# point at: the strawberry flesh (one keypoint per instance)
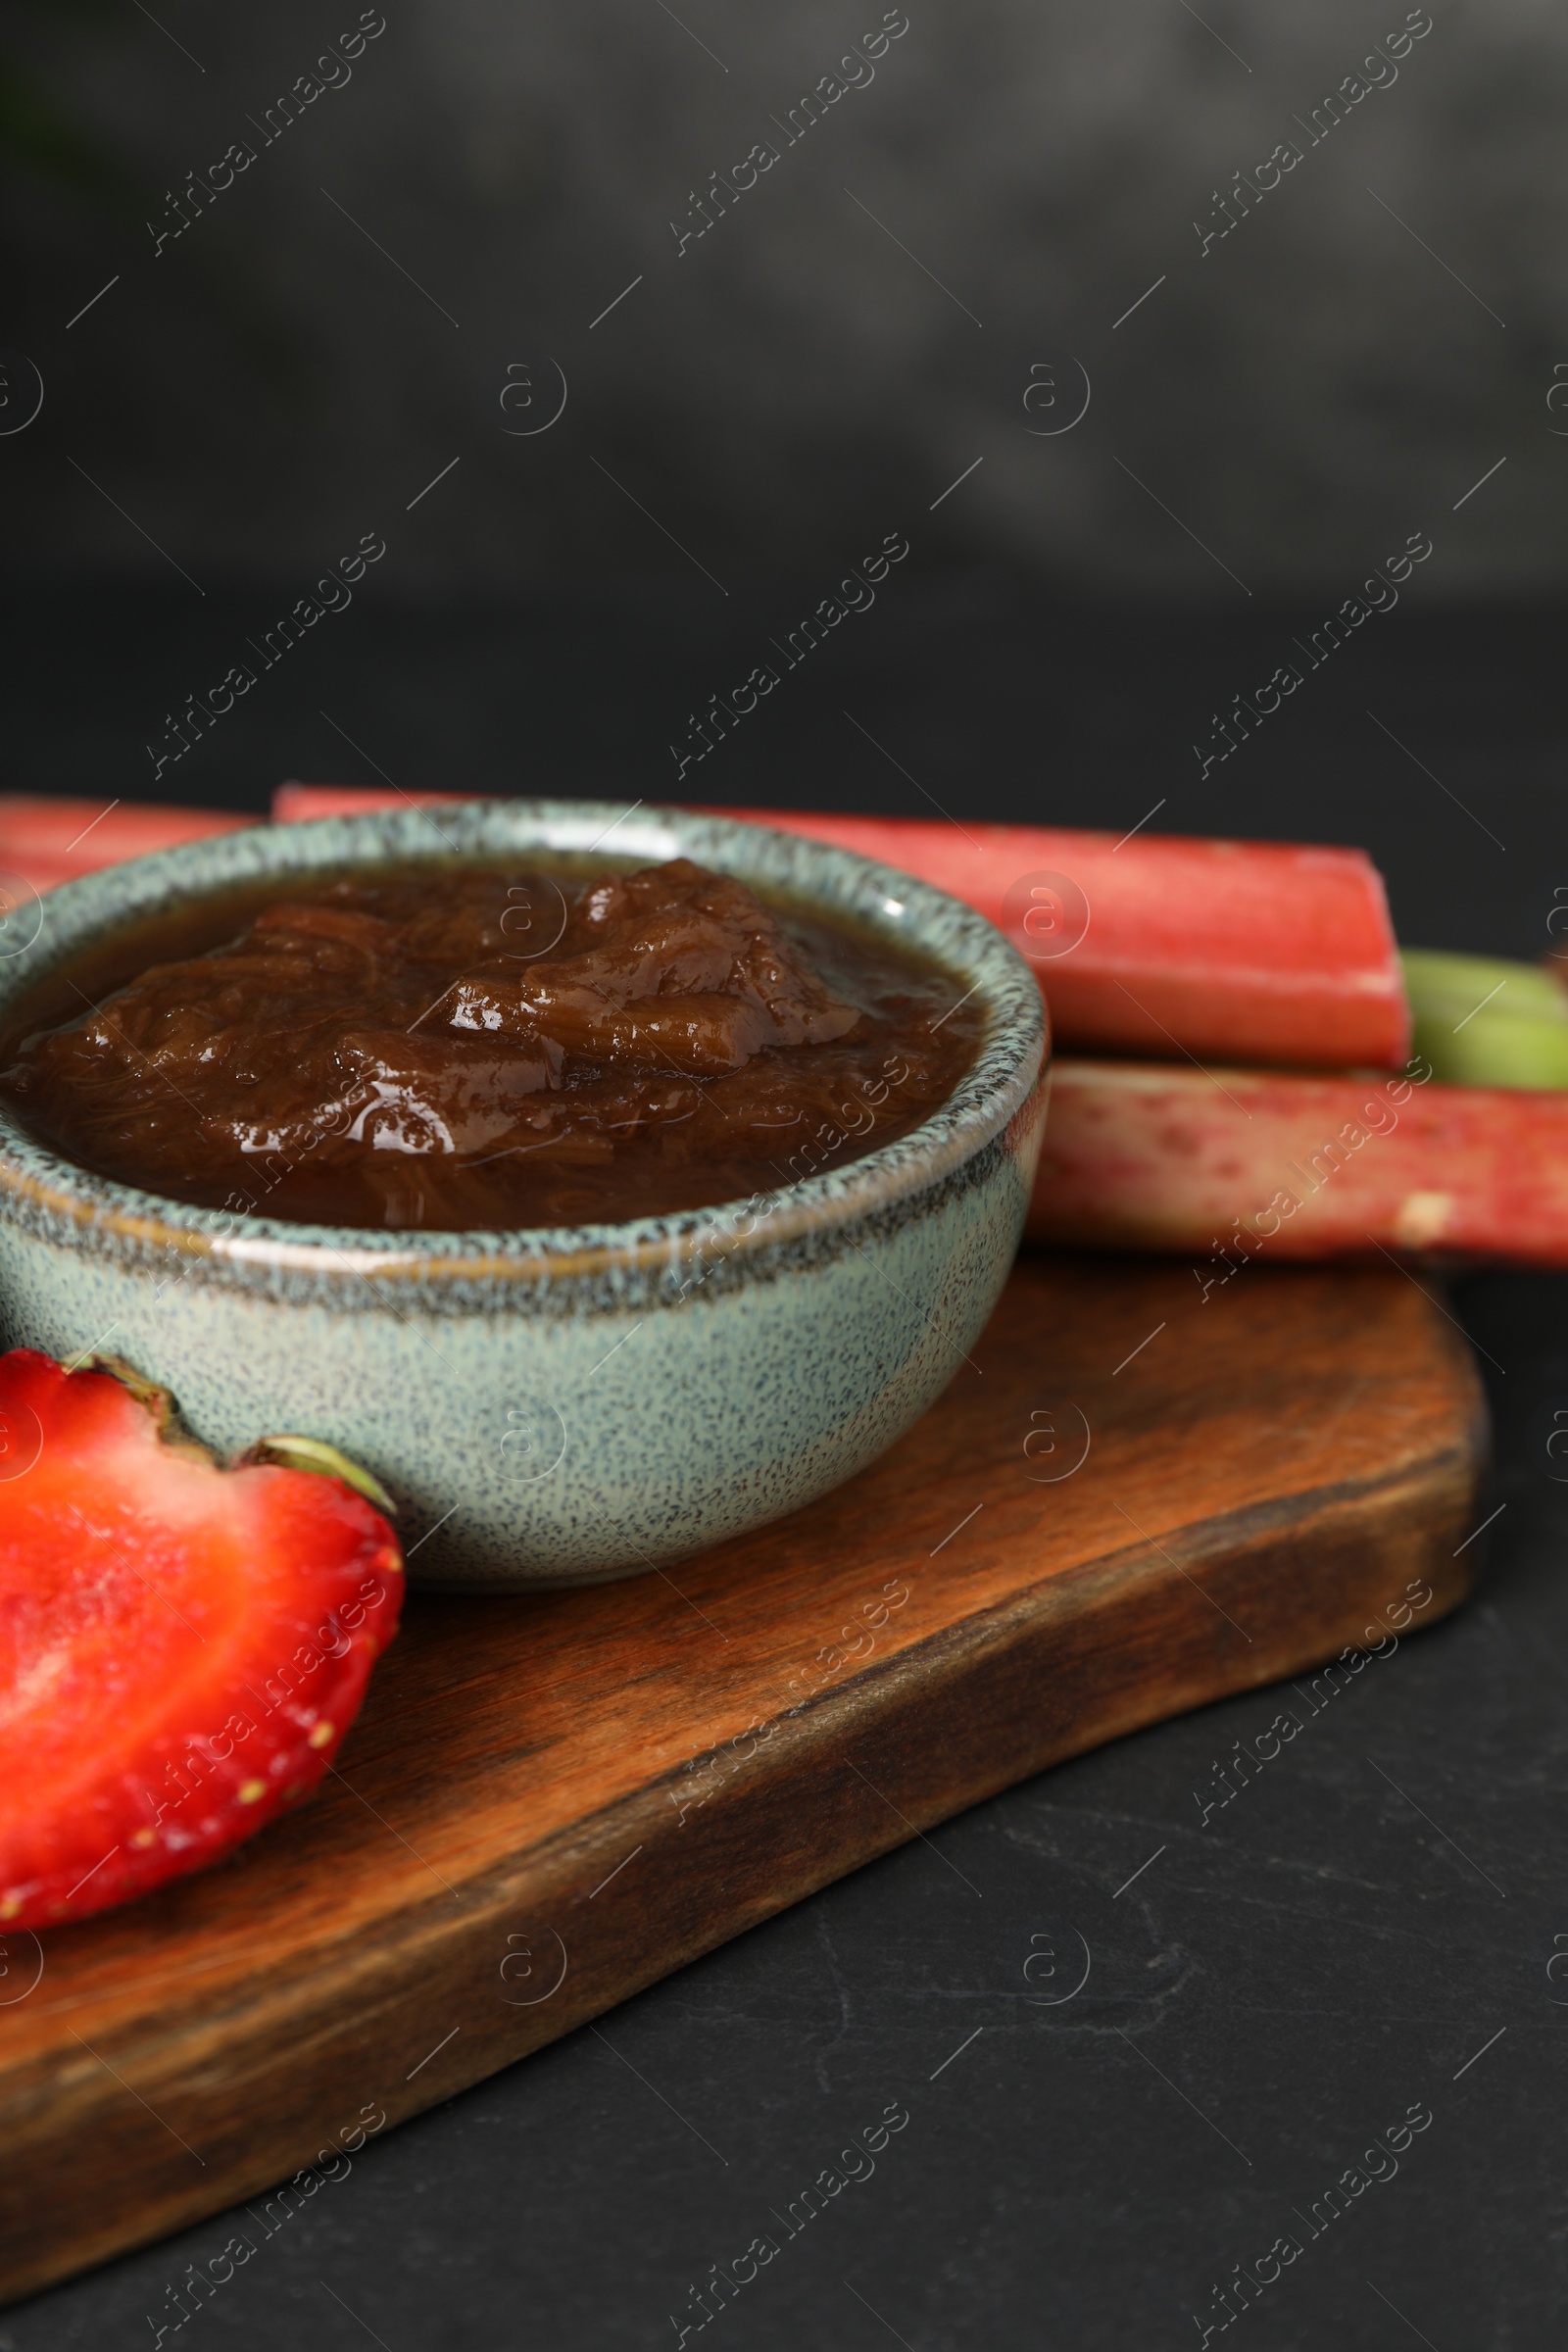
(181, 1648)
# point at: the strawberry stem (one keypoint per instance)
(313, 1453)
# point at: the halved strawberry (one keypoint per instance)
(181, 1648)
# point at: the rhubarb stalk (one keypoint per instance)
(45, 841)
(1229, 1165)
(1235, 950)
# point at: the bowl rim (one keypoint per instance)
(1008, 1067)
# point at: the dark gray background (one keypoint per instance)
(1341, 367)
(1315, 388)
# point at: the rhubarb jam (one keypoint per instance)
(465, 1047)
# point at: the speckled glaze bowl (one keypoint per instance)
(560, 1407)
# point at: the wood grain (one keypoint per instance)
(519, 1836)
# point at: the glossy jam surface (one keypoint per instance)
(469, 1049)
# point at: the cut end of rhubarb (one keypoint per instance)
(1483, 1021)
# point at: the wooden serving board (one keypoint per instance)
(519, 1838)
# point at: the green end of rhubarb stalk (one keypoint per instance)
(1480, 1021)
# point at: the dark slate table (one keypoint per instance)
(1355, 1974)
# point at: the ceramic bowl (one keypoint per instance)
(553, 1406)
